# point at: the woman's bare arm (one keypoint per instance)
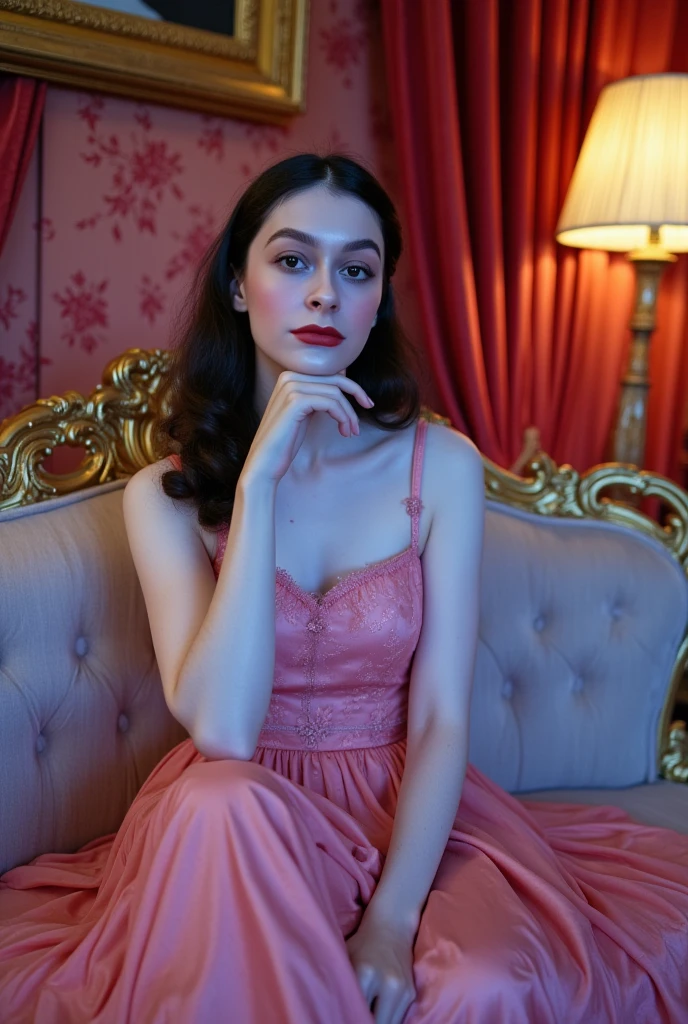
(215, 644)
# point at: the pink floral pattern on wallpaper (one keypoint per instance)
(142, 173)
(152, 300)
(45, 229)
(84, 309)
(216, 134)
(9, 305)
(18, 377)
(193, 242)
(344, 40)
(212, 137)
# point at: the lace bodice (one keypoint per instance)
(343, 658)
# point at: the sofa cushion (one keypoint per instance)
(662, 803)
(580, 624)
(83, 719)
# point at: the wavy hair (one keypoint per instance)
(208, 394)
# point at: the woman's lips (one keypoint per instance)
(316, 338)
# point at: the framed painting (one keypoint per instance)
(244, 58)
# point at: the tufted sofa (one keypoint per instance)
(583, 624)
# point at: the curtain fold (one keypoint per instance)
(490, 101)
(21, 107)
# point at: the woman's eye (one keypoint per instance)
(291, 266)
(359, 277)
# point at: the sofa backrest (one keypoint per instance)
(580, 625)
(579, 628)
(82, 715)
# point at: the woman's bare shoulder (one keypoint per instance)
(150, 512)
(445, 445)
(149, 478)
(449, 456)
(145, 490)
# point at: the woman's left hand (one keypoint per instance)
(382, 956)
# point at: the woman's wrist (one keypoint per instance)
(377, 915)
(251, 484)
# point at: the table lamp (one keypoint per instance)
(629, 193)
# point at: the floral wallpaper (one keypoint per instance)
(123, 198)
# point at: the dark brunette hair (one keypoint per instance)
(209, 417)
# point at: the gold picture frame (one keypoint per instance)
(258, 73)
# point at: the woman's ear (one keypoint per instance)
(236, 292)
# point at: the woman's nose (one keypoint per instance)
(323, 292)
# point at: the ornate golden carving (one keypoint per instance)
(553, 490)
(257, 73)
(675, 757)
(434, 417)
(116, 425)
(83, 15)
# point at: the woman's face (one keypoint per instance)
(333, 278)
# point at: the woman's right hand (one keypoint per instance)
(296, 396)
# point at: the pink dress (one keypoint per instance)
(230, 888)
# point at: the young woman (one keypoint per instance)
(319, 851)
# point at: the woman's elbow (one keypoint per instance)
(205, 736)
(216, 748)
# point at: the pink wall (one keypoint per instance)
(128, 195)
(19, 302)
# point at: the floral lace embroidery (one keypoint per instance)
(367, 606)
(370, 600)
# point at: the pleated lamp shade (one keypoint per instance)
(632, 172)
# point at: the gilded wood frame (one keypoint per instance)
(258, 73)
(116, 425)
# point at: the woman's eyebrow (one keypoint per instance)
(305, 239)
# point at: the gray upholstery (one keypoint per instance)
(82, 715)
(579, 626)
(660, 803)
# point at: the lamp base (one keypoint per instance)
(631, 420)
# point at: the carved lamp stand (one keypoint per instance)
(628, 194)
(631, 419)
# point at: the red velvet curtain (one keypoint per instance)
(490, 102)
(21, 107)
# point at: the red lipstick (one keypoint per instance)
(311, 334)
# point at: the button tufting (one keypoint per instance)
(123, 723)
(577, 684)
(315, 625)
(81, 646)
(616, 612)
(539, 623)
(507, 688)
(40, 743)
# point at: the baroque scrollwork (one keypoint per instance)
(675, 756)
(553, 490)
(114, 424)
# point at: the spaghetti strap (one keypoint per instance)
(414, 505)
